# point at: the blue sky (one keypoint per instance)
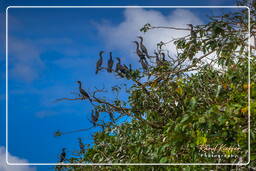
(50, 49)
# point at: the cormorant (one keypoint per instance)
(158, 61)
(144, 65)
(192, 32)
(110, 63)
(83, 92)
(142, 47)
(139, 52)
(81, 145)
(125, 67)
(63, 155)
(99, 62)
(118, 64)
(163, 56)
(111, 115)
(121, 68)
(130, 67)
(95, 117)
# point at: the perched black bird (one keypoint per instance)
(81, 145)
(95, 117)
(118, 64)
(139, 52)
(124, 70)
(192, 32)
(158, 61)
(99, 62)
(130, 68)
(63, 155)
(163, 56)
(111, 115)
(142, 47)
(121, 68)
(144, 65)
(83, 92)
(110, 63)
(125, 67)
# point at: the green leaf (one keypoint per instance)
(218, 91)
(193, 102)
(201, 120)
(184, 119)
(163, 160)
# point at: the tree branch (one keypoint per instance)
(126, 111)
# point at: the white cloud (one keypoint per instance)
(120, 37)
(12, 159)
(24, 60)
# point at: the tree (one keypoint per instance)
(178, 104)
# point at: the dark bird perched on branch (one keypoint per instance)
(95, 117)
(158, 61)
(142, 47)
(130, 68)
(81, 145)
(111, 115)
(139, 53)
(110, 63)
(118, 64)
(83, 92)
(144, 65)
(192, 32)
(126, 68)
(99, 62)
(63, 155)
(163, 56)
(121, 68)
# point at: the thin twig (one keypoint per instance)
(79, 130)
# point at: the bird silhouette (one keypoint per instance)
(139, 52)
(99, 62)
(111, 115)
(83, 92)
(123, 70)
(192, 32)
(158, 61)
(81, 145)
(163, 56)
(144, 65)
(95, 117)
(126, 68)
(130, 68)
(142, 47)
(63, 155)
(118, 64)
(110, 63)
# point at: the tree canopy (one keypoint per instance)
(179, 103)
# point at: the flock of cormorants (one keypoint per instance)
(122, 69)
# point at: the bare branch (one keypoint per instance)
(127, 112)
